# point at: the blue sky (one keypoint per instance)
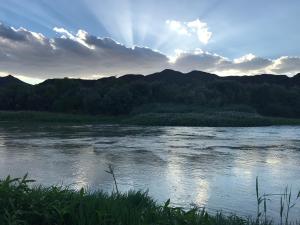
(231, 29)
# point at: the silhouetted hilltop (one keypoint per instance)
(172, 76)
(131, 77)
(296, 79)
(10, 80)
(266, 94)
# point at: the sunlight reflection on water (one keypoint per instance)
(212, 167)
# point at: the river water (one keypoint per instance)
(211, 167)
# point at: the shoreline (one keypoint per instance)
(205, 119)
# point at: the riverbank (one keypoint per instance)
(22, 203)
(207, 118)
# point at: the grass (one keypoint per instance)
(25, 204)
(187, 108)
(195, 115)
(216, 119)
(210, 118)
(21, 204)
(49, 117)
(286, 205)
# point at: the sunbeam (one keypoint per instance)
(115, 16)
(110, 30)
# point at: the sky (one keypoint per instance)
(90, 39)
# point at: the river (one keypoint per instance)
(211, 167)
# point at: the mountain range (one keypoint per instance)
(266, 94)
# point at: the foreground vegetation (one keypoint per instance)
(207, 118)
(21, 203)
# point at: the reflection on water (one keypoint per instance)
(212, 167)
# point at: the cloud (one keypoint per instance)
(35, 57)
(10, 33)
(250, 64)
(201, 29)
(26, 53)
(189, 28)
(246, 58)
(245, 65)
(178, 27)
(80, 37)
(286, 65)
(197, 60)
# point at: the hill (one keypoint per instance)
(167, 91)
(10, 81)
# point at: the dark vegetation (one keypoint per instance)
(165, 92)
(22, 203)
(206, 118)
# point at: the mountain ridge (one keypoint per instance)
(267, 95)
(164, 74)
(11, 80)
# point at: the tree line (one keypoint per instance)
(268, 95)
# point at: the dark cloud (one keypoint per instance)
(210, 62)
(254, 64)
(288, 65)
(31, 54)
(81, 55)
(198, 60)
(11, 34)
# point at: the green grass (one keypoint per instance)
(21, 203)
(208, 117)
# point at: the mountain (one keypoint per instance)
(10, 81)
(172, 76)
(266, 94)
